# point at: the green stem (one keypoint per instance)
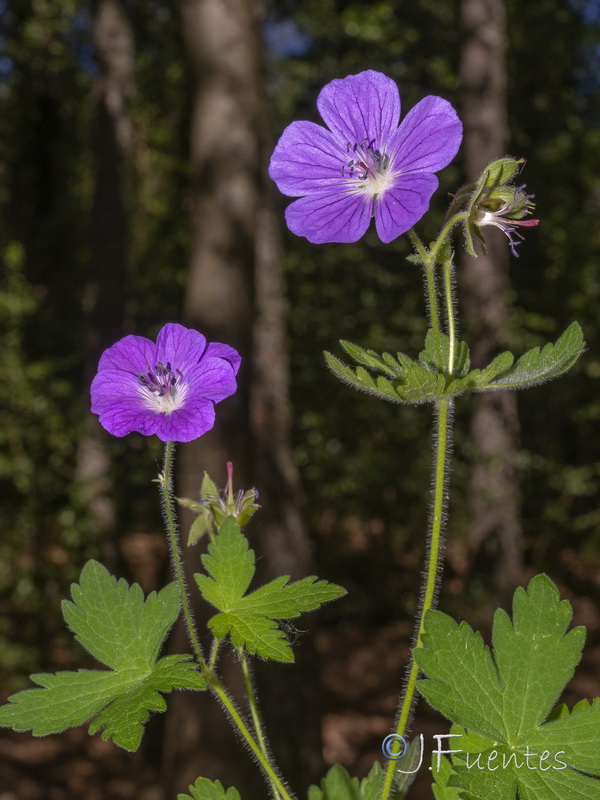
(211, 678)
(429, 264)
(444, 233)
(258, 728)
(213, 655)
(443, 439)
(170, 521)
(450, 315)
(216, 686)
(433, 311)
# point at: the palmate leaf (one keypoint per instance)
(338, 785)
(417, 385)
(501, 698)
(204, 789)
(251, 620)
(113, 621)
(542, 363)
(400, 379)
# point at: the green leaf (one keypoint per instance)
(369, 358)
(512, 744)
(204, 789)
(336, 785)
(429, 357)
(370, 787)
(250, 620)
(542, 363)
(407, 381)
(125, 632)
(208, 488)
(444, 778)
(199, 528)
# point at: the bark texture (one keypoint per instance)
(495, 528)
(235, 294)
(112, 134)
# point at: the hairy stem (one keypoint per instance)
(258, 728)
(207, 671)
(450, 314)
(443, 440)
(218, 689)
(171, 525)
(429, 265)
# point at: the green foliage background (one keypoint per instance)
(364, 463)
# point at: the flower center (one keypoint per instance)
(163, 388)
(368, 168)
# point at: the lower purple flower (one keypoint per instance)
(169, 388)
(367, 164)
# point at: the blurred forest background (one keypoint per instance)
(134, 142)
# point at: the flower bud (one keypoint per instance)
(214, 506)
(495, 200)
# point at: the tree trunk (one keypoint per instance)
(495, 528)
(104, 298)
(235, 295)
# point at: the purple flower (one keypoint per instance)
(506, 210)
(169, 388)
(366, 164)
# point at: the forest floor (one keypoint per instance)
(360, 669)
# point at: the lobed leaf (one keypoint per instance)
(205, 789)
(542, 363)
(369, 358)
(512, 744)
(125, 631)
(429, 356)
(336, 785)
(407, 381)
(251, 620)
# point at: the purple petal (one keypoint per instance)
(217, 350)
(212, 379)
(359, 107)
(187, 423)
(112, 385)
(180, 346)
(332, 217)
(428, 138)
(133, 354)
(124, 416)
(308, 158)
(400, 207)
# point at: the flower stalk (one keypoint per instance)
(443, 446)
(166, 484)
(258, 748)
(440, 251)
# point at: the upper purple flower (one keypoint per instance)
(366, 164)
(169, 388)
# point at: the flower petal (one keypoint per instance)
(124, 416)
(132, 354)
(182, 347)
(308, 158)
(218, 350)
(212, 379)
(400, 207)
(359, 107)
(428, 138)
(112, 385)
(186, 424)
(330, 217)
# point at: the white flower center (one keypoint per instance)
(162, 388)
(369, 169)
